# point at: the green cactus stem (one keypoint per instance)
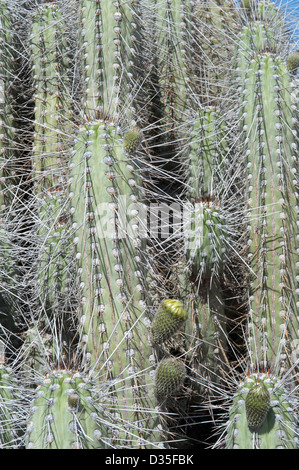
(105, 204)
(66, 414)
(12, 404)
(173, 40)
(50, 148)
(8, 178)
(210, 229)
(215, 25)
(109, 37)
(268, 122)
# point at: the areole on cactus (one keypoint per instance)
(149, 225)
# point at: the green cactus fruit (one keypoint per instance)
(257, 405)
(293, 62)
(66, 414)
(169, 377)
(132, 139)
(170, 316)
(262, 415)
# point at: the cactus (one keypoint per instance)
(167, 320)
(262, 415)
(117, 333)
(65, 414)
(169, 377)
(293, 62)
(270, 150)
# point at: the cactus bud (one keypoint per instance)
(170, 375)
(257, 405)
(132, 139)
(293, 62)
(73, 401)
(248, 4)
(169, 318)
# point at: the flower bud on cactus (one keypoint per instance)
(262, 415)
(169, 318)
(132, 139)
(248, 4)
(170, 375)
(257, 405)
(293, 62)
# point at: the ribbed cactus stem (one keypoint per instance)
(268, 122)
(262, 415)
(109, 36)
(208, 236)
(66, 413)
(106, 206)
(216, 24)
(207, 241)
(173, 40)
(50, 147)
(8, 179)
(10, 408)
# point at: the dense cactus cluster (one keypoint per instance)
(149, 225)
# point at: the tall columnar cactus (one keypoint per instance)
(215, 26)
(105, 200)
(121, 335)
(7, 172)
(49, 56)
(12, 418)
(268, 131)
(268, 123)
